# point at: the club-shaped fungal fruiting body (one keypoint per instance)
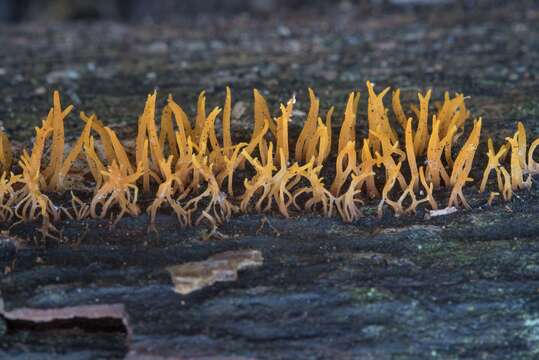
(197, 170)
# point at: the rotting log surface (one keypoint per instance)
(464, 285)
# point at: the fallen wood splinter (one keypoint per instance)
(441, 212)
(221, 267)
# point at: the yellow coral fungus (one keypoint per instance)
(347, 203)
(522, 144)
(219, 208)
(148, 144)
(262, 121)
(6, 154)
(519, 159)
(281, 150)
(392, 176)
(58, 182)
(32, 203)
(274, 187)
(280, 186)
(320, 196)
(119, 151)
(517, 170)
(7, 195)
(410, 154)
(386, 159)
(533, 166)
(118, 189)
(435, 168)
(319, 144)
(367, 168)
(104, 137)
(167, 137)
(397, 108)
(462, 167)
(452, 113)
(95, 164)
(200, 119)
(308, 130)
(507, 191)
(166, 192)
(493, 164)
(55, 121)
(428, 187)
(421, 136)
(227, 137)
(260, 182)
(316, 140)
(202, 148)
(348, 127)
(346, 164)
(378, 119)
(197, 171)
(453, 122)
(231, 163)
(79, 209)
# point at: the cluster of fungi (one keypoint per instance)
(189, 167)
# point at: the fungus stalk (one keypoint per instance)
(118, 189)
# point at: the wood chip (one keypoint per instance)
(194, 276)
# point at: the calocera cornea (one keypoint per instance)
(199, 171)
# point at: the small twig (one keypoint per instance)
(441, 212)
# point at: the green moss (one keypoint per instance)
(527, 109)
(368, 295)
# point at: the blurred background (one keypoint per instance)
(105, 55)
(170, 10)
